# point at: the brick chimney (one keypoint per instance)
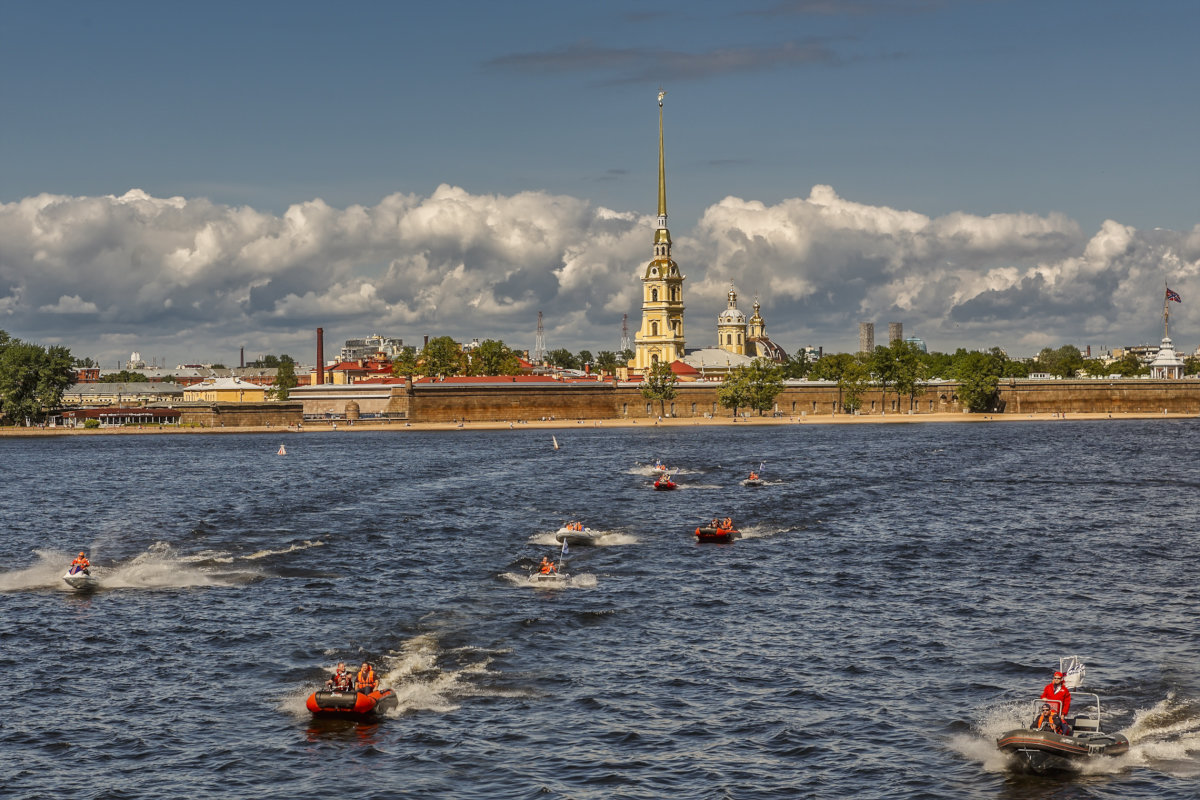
(320, 355)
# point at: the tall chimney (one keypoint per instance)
(242, 357)
(320, 355)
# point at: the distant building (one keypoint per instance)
(121, 394)
(866, 337)
(368, 346)
(225, 390)
(895, 332)
(1166, 364)
(918, 343)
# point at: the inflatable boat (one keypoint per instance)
(663, 483)
(707, 533)
(1044, 749)
(351, 704)
(574, 533)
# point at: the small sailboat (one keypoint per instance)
(282, 450)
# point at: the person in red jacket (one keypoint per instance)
(81, 564)
(1057, 689)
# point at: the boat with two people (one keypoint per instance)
(1054, 742)
(577, 533)
(755, 478)
(663, 483)
(358, 699)
(79, 575)
(718, 530)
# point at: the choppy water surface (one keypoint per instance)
(896, 587)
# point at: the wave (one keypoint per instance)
(159, 567)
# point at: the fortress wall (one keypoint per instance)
(231, 415)
(1133, 395)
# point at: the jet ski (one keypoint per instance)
(351, 704)
(1053, 747)
(81, 580)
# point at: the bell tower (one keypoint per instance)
(660, 339)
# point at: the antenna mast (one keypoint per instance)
(624, 332)
(539, 342)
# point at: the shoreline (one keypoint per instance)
(343, 426)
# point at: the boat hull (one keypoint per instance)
(351, 705)
(710, 534)
(583, 537)
(663, 486)
(1046, 751)
(81, 581)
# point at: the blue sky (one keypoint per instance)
(989, 173)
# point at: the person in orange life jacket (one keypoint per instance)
(365, 681)
(81, 564)
(340, 682)
(546, 567)
(1048, 719)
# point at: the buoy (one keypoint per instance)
(282, 450)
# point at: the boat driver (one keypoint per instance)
(1057, 689)
(1048, 719)
(340, 682)
(365, 681)
(80, 564)
(546, 567)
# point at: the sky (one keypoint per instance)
(186, 180)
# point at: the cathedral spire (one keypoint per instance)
(662, 235)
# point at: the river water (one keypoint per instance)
(898, 590)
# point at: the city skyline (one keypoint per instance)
(188, 181)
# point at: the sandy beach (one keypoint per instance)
(342, 426)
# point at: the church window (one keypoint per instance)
(729, 338)
(739, 338)
(654, 295)
(654, 329)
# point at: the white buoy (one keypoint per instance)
(282, 450)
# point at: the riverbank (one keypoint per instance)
(342, 426)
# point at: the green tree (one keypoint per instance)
(626, 355)
(882, 364)
(84, 362)
(659, 384)
(32, 378)
(404, 365)
(124, 376)
(831, 367)
(285, 379)
(583, 358)
(798, 366)
(766, 382)
(492, 357)
(734, 391)
(442, 357)
(978, 376)
(562, 358)
(911, 372)
(1063, 362)
(606, 361)
(853, 384)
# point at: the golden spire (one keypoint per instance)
(662, 235)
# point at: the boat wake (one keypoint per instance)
(585, 581)
(604, 539)
(1164, 737)
(425, 678)
(228, 558)
(157, 568)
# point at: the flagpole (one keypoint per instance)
(1166, 310)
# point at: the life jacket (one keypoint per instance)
(366, 677)
(340, 680)
(727, 524)
(81, 562)
(547, 568)
(1048, 719)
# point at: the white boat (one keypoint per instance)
(1073, 671)
(81, 581)
(577, 534)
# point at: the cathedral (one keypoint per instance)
(660, 339)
